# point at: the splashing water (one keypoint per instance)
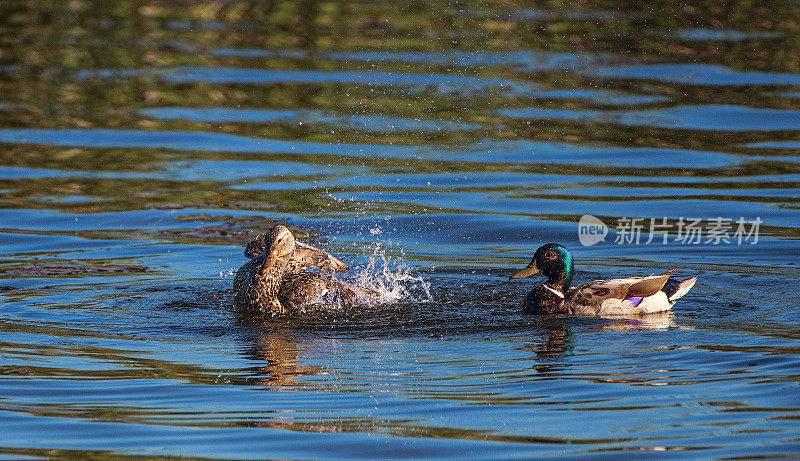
(385, 279)
(392, 279)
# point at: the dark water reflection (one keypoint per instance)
(144, 142)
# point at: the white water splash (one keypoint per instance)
(392, 279)
(385, 279)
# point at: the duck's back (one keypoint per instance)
(304, 289)
(632, 295)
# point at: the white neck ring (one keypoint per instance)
(557, 293)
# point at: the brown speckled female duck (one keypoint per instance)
(276, 280)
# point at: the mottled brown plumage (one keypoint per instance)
(304, 255)
(312, 288)
(276, 280)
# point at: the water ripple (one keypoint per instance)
(694, 74)
(433, 148)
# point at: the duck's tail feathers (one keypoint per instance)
(676, 289)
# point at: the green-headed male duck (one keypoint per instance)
(633, 295)
(276, 281)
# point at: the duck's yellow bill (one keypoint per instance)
(269, 262)
(531, 269)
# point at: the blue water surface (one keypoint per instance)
(433, 147)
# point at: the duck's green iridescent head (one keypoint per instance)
(554, 261)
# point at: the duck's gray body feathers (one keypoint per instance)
(632, 295)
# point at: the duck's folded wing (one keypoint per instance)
(590, 296)
(310, 256)
(304, 289)
(650, 285)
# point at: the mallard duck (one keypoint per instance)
(276, 279)
(632, 295)
(304, 255)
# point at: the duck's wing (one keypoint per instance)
(306, 289)
(256, 247)
(304, 256)
(650, 285)
(614, 295)
(302, 289)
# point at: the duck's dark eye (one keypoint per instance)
(549, 254)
